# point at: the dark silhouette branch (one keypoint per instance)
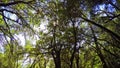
(114, 5)
(108, 51)
(109, 42)
(102, 27)
(14, 3)
(9, 18)
(112, 18)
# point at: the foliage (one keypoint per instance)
(59, 33)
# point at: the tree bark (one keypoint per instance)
(75, 44)
(57, 60)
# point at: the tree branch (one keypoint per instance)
(114, 5)
(102, 27)
(15, 2)
(112, 18)
(101, 56)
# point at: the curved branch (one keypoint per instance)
(102, 27)
(14, 3)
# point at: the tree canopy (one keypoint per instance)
(59, 33)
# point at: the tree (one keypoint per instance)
(77, 34)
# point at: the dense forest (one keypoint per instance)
(59, 33)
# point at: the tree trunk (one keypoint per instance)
(75, 44)
(98, 49)
(77, 61)
(57, 60)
